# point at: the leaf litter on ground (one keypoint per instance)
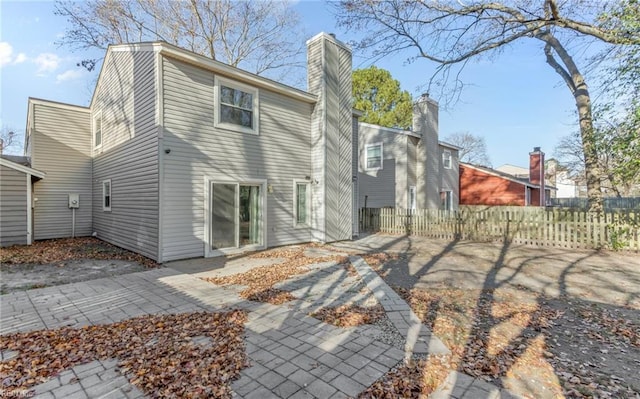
(504, 335)
(260, 280)
(157, 353)
(59, 251)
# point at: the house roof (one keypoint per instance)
(406, 133)
(172, 51)
(449, 145)
(506, 176)
(5, 160)
(513, 170)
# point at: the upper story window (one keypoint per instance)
(97, 130)
(374, 156)
(446, 159)
(237, 106)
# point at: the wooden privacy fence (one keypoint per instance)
(619, 230)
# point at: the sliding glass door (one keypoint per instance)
(236, 215)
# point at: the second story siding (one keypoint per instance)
(125, 104)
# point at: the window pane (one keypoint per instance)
(301, 204)
(246, 100)
(226, 95)
(250, 232)
(223, 216)
(98, 132)
(374, 157)
(229, 114)
(235, 97)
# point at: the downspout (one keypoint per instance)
(29, 211)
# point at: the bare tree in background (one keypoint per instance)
(473, 148)
(9, 141)
(263, 36)
(451, 33)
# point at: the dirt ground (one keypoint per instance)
(544, 322)
(27, 276)
(62, 261)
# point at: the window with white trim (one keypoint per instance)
(236, 105)
(302, 203)
(97, 130)
(412, 197)
(106, 195)
(373, 156)
(446, 159)
(446, 198)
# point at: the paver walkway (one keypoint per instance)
(292, 355)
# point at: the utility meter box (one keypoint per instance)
(74, 200)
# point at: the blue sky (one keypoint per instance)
(516, 102)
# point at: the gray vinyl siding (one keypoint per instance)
(129, 154)
(316, 84)
(450, 178)
(60, 144)
(279, 154)
(386, 187)
(13, 207)
(338, 135)
(329, 77)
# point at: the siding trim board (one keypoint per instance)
(159, 121)
(22, 168)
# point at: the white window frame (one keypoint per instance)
(366, 155)
(208, 181)
(449, 203)
(106, 208)
(412, 197)
(295, 203)
(447, 159)
(97, 116)
(218, 83)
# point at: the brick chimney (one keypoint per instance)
(536, 173)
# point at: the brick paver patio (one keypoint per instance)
(292, 355)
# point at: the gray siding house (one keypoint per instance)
(16, 198)
(408, 169)
(180, 156)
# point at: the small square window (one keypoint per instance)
(302, 202)
(237, 106)
(106, 195)
(374, 156)
(97, 130)
(446, 159)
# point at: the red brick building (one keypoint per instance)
(480, 185)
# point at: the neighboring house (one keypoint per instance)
(566, 186)
(181, 156)
(480, 185)
(408, 169)
(16, 191)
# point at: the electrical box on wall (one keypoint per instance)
(74, 200)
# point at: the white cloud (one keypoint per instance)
(47, 62)
(20, 58)
(71, 74)
(6, 53)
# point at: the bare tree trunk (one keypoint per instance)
(592, 170)
(572, 76)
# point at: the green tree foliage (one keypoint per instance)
(379, 96)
